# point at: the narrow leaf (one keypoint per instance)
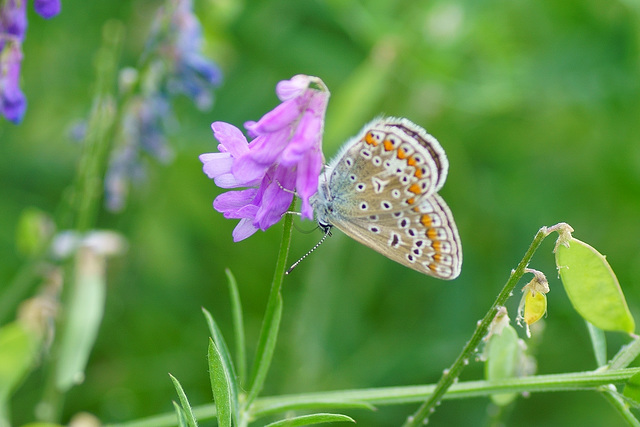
(221, 347)
(182, 419)
(186, 407)
(307, 420)
(238, 328)
(220, 385)
(503, 354)
(592, 287)
(599, 342)
(264, 352)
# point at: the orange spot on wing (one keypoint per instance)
(432, 233)
(418, 173)
(426, 221)
(415, 189)
(388, 145)
(411, 200)
(433, 267)
(411, 161)
(437, 246)
(369, 139)
(401, 153)
(437, 257)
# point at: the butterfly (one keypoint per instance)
(382, 190)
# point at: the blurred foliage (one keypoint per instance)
(536, 103)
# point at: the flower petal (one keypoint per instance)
(216, 164)
(292, 88)
(281, 116)
(231, 138)
(244, 229)
(234, 200)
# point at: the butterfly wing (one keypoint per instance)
(424, 238)
(388, 167)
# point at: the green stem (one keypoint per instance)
(387, 396)
(271, 322)
(450, 375)
(612, 396)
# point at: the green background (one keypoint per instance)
(537, 104)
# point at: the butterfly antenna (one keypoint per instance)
(327, 232)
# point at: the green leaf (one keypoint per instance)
(220, 384)
(238, 328)
(223, 350)
(599, 342)
(307, 420)
(18, 355)
(503, 356)
(182, 418)
(592, 287)
(85, 307)
(187, 412)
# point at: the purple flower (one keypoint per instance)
(13, 103)
(13, 19)
(284, 157)
(47, 8)
(193, 74)
(13, 27)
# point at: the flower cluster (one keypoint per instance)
(284, 157)
(172, 64)
(13, 28)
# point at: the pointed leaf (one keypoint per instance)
(186, 407)
(592, 287)
(238, 328)
(220, 385)
(221, 347)
(307, 420)
(182, 419)
(503, 354)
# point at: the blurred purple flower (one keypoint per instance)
(13, 103)
(13, 20)
(192, 74)
(47, 8)
(284, 157)
(13, 28)
(173, 64)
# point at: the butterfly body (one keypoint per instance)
(381, 190)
